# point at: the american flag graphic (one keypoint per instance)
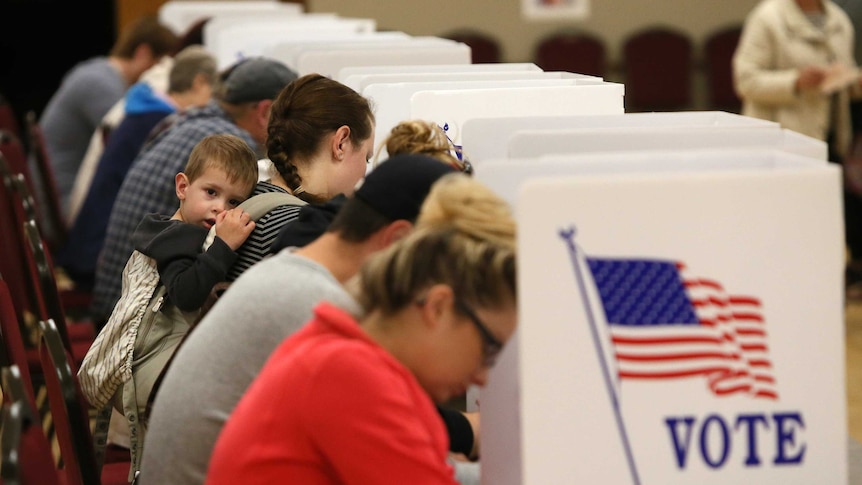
(666, 325)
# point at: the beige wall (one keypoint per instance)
(611, 20)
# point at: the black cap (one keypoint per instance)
(255, 79)
(312, 221)
(397, 187)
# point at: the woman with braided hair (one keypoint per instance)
(319, 140)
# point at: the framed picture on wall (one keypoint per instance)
(555, 9)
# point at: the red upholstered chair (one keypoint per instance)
(13, 162)
(45, 185)
(718, 55)
(577, 52)
(31, 266)
(27, 456)
(657, 65)
(70, 412)
(483, 47)
(77, 336)
(14, 351)
(12, 265)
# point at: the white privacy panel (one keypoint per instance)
(346, 73)
(179, 15)
(487, 137)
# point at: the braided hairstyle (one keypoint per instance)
(304, 113)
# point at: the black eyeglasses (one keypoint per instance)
(491, 346)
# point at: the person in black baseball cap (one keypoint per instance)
(393, 191)
(285, 292)
(275, 297)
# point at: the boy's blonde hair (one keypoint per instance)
(229, 153)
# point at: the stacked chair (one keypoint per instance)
(26, 452)
(657, 64)
(45, 185)
(578, 52)
(42, 347)
(484, 48)
(82, 452)
(718, 57)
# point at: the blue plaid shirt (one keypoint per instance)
(149, 189)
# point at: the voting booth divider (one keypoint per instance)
(356, 76)
(361, 82)
(329, 62)
(453, 108)
(536, 143)
(477, 131)
(450, 103)
(180, 15)
(681, 320)
(231, 39)
(287, 49)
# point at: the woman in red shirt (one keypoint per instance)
(351, 401)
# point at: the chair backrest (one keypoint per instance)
(33, 462)
(483, 47)
(657, 65)
(76, 338)
(577, 52)
(50, 295)
(35, 255)
(13, 265)
(69, 409)
(718, 54)
(52, 215)
(10, 441)
(13, 342)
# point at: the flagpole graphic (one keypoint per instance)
(569, 237)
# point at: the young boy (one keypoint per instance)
(220, 174)
(166, 280)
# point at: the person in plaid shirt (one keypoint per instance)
(241, 108)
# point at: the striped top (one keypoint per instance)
(256, 247)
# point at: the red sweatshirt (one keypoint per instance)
(331, 406)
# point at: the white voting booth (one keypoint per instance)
(179, 15)
(330, 61)
(393, 100)
(361, 82)
(355, 76)
(535, 143)
(681, 320)
(453, 108)
(487, 137)
(230, 39)
(286, 49)
(451, 103)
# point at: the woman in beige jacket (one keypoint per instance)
(794, 64)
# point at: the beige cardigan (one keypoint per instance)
(777, 40)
